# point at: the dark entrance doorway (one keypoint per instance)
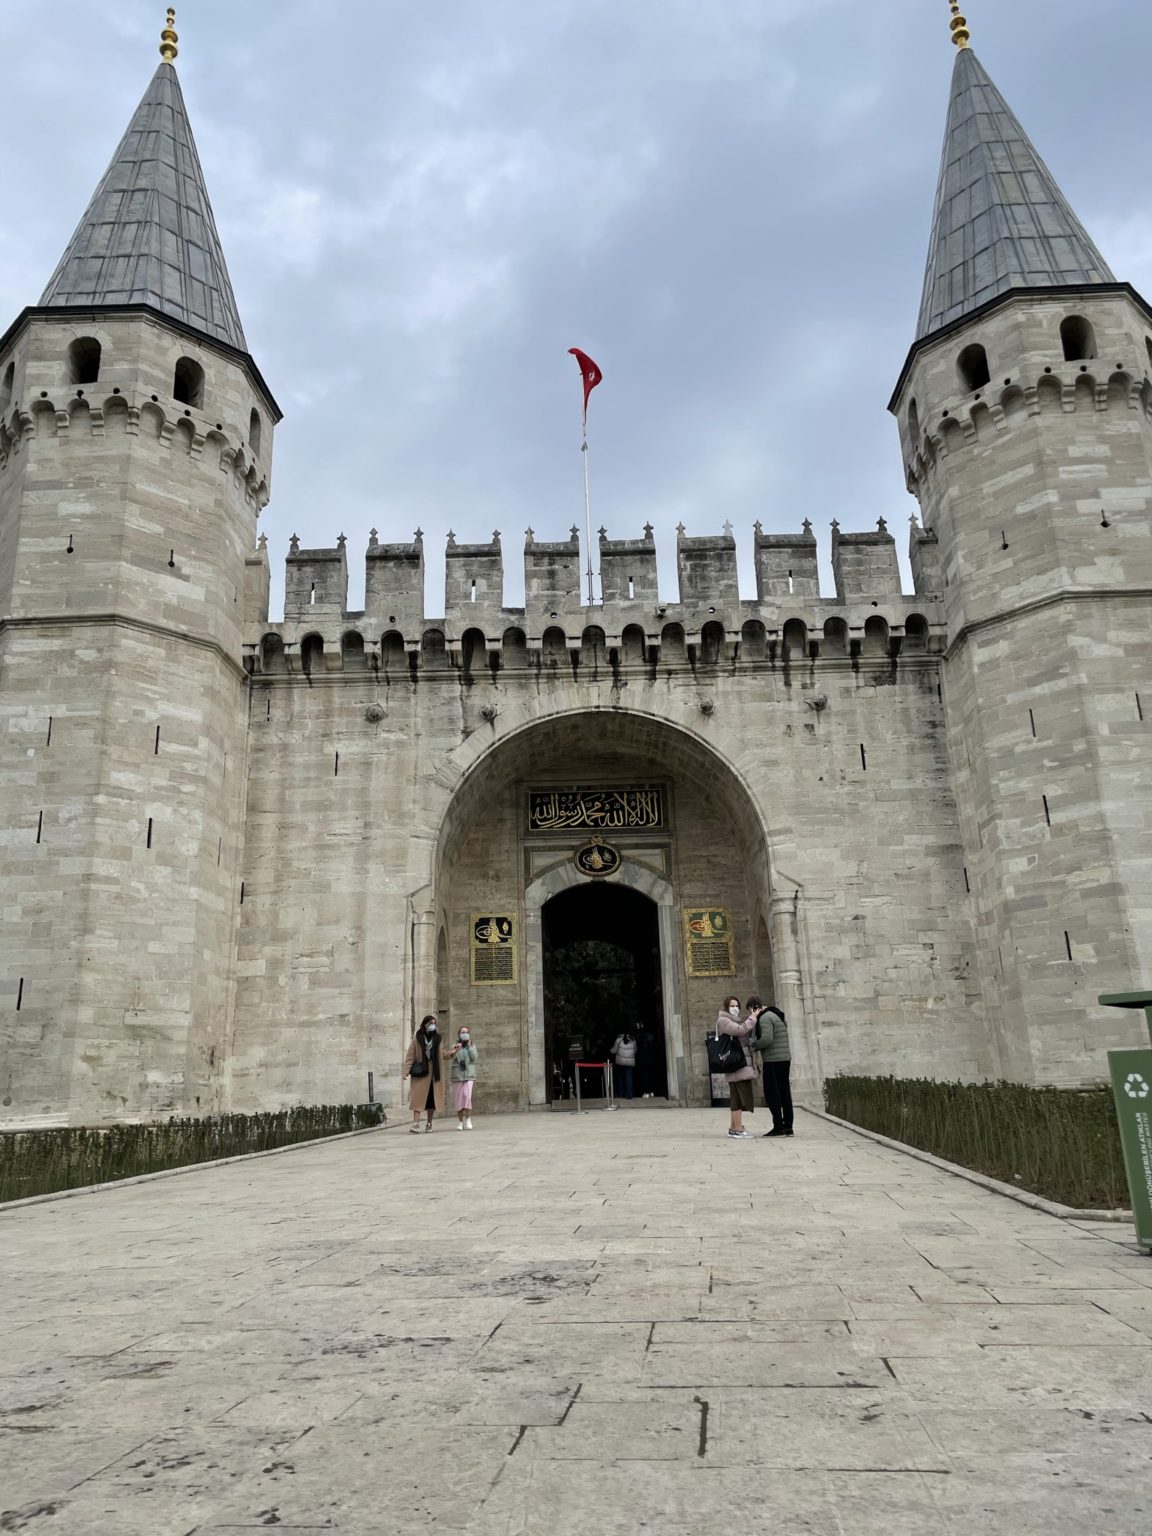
(602, 976)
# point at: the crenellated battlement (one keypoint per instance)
(100, 416)
(788, 622)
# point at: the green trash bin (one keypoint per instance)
(1131, 1073)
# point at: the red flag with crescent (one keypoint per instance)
(589, 372)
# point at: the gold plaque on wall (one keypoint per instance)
(493, 949)
(597, 858)
(709, 947)
(596, 810)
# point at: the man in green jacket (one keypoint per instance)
(771, 1040)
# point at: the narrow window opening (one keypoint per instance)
(241, 893)
(1148, 346)
(967, 884)
(40, 826)
(156, 744)
(255, 432)
(6, 388)
(973, 367)
(791, 584)
(914, 424)
(312, 593)
(336, 769)
(1000, 958)
(48, 740)
(863, 758)
(148, 844)
(1047, 812)
(171, 559)
(472, 594)
(20, 994)
(1139, 715)
(188, 383)
(268, 710)
(71, 547)
(219, 850)
(631, 587)
(1032, 721)
(84, 360)
(1067, 944)
(1077, 339)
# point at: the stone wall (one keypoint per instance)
(122, 721)
(1038, 487)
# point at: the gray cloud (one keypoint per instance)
(423, 208)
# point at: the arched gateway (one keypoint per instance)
(599, 869)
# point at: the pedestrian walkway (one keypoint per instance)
(576, 1327)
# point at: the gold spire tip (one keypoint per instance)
(169, 40)
(959, 26)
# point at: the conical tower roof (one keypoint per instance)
(1001, 221)
(148, 236)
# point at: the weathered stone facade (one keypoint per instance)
(241, 858)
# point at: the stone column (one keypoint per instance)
(791, 998)
(423, 968)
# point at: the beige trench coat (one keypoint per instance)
(420, 1085)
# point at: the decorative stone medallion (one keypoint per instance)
(597, 858)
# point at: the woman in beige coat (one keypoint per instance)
(428, 1086)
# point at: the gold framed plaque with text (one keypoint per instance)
(709, 945)
(493, 949)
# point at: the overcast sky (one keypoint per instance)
(726, 202)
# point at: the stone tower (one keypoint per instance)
(1025, 415)
(135, 444)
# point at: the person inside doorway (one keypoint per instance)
(463, 1074)
(624, 1055)
(770, 1039)
(422, 1067)
(739, 1082)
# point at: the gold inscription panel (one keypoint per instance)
(709, 947)
(493, 949)
(596, 810)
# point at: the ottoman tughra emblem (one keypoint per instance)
(596, 858)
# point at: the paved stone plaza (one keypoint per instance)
(606, 1324)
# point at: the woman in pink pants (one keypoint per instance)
(464, 1059)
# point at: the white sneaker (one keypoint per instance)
(459, 1125)
(741, 1136)
(468, 1123)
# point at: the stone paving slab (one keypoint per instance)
(596, 1325)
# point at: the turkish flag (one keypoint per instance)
(589, 372)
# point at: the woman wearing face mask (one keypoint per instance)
(739, 1082)
(422, 1065)
(463, 1072)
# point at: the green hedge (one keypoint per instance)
(1059, 1143)
(41, 1162)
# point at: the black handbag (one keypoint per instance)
(419, 1067)
(725, 1054)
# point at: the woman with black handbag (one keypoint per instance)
(422, 1065)
(735, 1060)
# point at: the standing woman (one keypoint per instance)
(623, 1053)
(739, 1082)
(422, 1065)
(463, 1074)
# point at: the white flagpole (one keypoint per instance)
(587, 505)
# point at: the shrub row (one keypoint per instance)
(1060, 1143)
(41, 1162)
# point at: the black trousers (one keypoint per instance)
(778, 1093)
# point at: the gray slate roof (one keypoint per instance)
(1001, 221)
(148, 236)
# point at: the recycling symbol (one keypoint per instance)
(1136, 1087)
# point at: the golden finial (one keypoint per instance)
(959, 24)
(169, 40)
